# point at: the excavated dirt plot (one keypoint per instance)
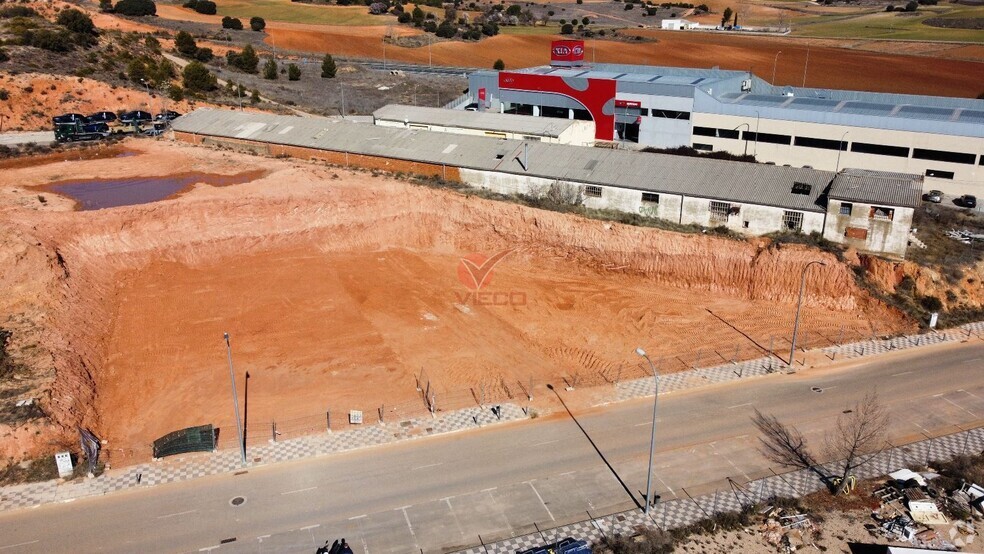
(339, 288)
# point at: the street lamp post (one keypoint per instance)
(799, 304)
(758, 118)
(747, 129)
(840, 146)
(652, 441)
(149, 97)
(235, 401)
(774, 62)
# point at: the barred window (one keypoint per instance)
(792, 221)
(592, 191)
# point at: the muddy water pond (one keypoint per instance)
(97, 194)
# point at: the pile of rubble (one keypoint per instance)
(788, 532)
(964, 236)
(910, 512)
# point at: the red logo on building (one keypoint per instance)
(566, 52)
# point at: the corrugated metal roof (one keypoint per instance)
(713, 179)
(876, 187)
(491, 121)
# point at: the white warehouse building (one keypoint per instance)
(710, 110)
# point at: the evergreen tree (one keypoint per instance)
(328, 68)
(270, 70)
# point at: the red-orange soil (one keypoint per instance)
(339, 287)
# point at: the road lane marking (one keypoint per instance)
(901, 374)
(299, 490)
(667, 486)
(739, 405)
(426, 466)
(410, 527)
(18, 544)
(537, 493)
(447, 500)
(566, 473)
(959, 406)
(177, 514)
(548, 442)
(208, 549)
(261, 537)
(309, 527)
(357, 517)
(643, 423)
(488, 490)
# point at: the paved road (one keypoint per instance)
(39, 137)
(443, 492)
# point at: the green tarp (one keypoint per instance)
(192, 439)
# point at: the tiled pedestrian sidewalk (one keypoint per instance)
(181, 469)
(685, 511)
(761, 366)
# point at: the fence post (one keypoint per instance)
(382, 410)
(697, 359)
(737, 349)
(529, 391)
(328, 418)
(273, 426)
(771, 352)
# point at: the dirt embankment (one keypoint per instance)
(345, 286)
(35, 98)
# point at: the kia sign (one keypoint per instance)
(567, 52)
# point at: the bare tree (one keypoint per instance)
(858, 436)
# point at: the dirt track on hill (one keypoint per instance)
(339, 288)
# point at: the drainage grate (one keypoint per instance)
(238, 501)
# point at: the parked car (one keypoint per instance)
(934, 196)
(135, 116)
(75, 130)
(167, 115)
(68, 118)
(157, 130)
(101, 117)
(967, 201)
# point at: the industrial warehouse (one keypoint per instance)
(873, 211)
(735, 111)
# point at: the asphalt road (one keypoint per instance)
(439, 493)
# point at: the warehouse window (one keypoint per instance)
(939, 174)
(533, 138)
(846, 208)
(768, 137)
(792, 221)
(727, 133)
(592, 191)
(705, 131)
(802, 188)
(670, 114)
(703, 147)
(826, 144)
(719, 211)
(880, 149)
(943, 156)
(881, 212)
(650, 197)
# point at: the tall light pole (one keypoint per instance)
(747, 129)
(799, 304)
(758, 118)
(806, 65)
(652, 441)
(235, 401)
(774, 62)
(840, 146)
(149, 97)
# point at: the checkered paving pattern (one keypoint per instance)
(875, 346)
(686, 511)
(200, 465)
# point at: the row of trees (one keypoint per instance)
(255, 23)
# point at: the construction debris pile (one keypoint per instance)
(787, 531)
(964, 236)
(910, 512)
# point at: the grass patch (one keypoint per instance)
(891, 25)
(295, 12)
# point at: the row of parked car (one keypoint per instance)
(74, 126)
(936, 197)
(125, 118)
